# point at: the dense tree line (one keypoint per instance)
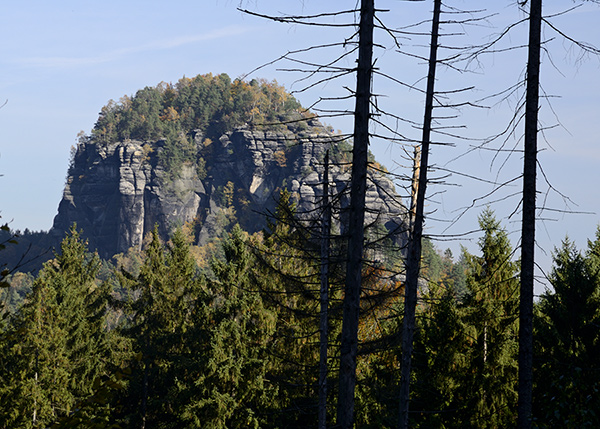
(206, 104)
(162, 343)
(211, 104)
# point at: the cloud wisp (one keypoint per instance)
(67, 62)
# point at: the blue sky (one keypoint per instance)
(62, 61)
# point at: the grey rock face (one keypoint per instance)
(118, 192)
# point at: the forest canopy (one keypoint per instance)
(210, 104)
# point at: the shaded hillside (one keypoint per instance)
(206, 152)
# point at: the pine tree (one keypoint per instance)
(567, 341)
(160, 315)
(232, 333)
(441, 359)
(490, 308)
(59, 346)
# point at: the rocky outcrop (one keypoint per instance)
(118, 192)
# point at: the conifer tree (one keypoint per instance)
(160, 316)
(441, 359)
(567, 340)
(466, 340)
(147, 320)
(5, 335)
(289, 278)
(232, 332)
(59, 344)
(490, 308)
(183, 346)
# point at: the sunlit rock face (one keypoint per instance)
(118, 192)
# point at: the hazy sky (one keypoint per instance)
(62, 61)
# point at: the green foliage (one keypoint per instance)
(567, 341)
(288, 276)
(467, 343)
(10, 239)
(289, 279)
(13, 296)
(232, 334)
(13, 286)
(160, 315)
(440, 268)
(341, 152)
(491, 312)
(57, 345)
(25, 251)
(198, 349)
(441, 360)
(210, 105)
(177, 151)
(238, 347)
(201, 168)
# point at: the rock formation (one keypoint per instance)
(117, 192)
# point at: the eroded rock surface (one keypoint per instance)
(117, 192)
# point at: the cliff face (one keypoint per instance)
(116, 192)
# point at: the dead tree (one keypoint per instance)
(528, 222)
(323, 322)
(366, 111)
(529, 110)
(349, 340)
(414, 247)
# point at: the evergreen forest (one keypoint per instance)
(169, 338)
(232, 333)
(338, 313)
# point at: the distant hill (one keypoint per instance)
(206, 152)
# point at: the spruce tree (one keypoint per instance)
(160, 313)
(288, 276)
(466, 338)
(442, 348)
(59, 346)
(490, 307)
(147, 319)
(567, 341)
(232, 332)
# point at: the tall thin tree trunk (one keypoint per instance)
(415, 185)
(413, 261)
(34, 419)
(528, 225)
(325, 249)
(144, 405)
(485, 342)
(349, 339)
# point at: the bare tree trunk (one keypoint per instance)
(144, 405)
(34, 419)
(528, 225)
(413, 261)
(349, 339)
(325, 248)
(415, 185)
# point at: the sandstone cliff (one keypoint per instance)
(116, 192)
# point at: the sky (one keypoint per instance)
(62, 61)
